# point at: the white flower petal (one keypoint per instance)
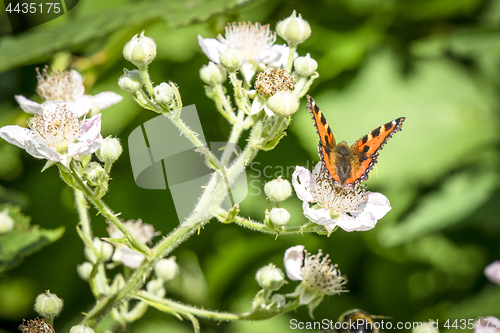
(80, 106)
(293, 261)
(28, 105)
(39, 149)
(313, 185)
(271, 55)
(302, 188)
(268, 111)
(248, 70)
(27, 140)
(77, 82)
(16, 135)
(257, 104)
(319, 216)
(90, 138)
(376, 204)
(492, 272)
(211, 47)
(361, 223)
(50, 108)
(106, 99)
(283, 60)
(128, 257)
(487, 325)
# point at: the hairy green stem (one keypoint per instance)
(293, 48)
(259, 225)
(167, 305)
(81, 207)
(106, 211)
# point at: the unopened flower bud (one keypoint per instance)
(231, 59)
(48, 305)
(283, 103)
(104, 248)
(156, 287)
(294, 30)
(6, 222)
(117, 284)
(270, 277)
(305, 66)
(94, 173)
(130, 81)
(213, 74)
(277, 302)
(164, 93)
(278, 189)
(140, 50)
(81, 329)
(279, 216)
(167, 269)
(110, 150)
(84, 270)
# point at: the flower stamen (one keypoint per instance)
(57, 128)
(273, 80)
(250, 39)
(56, 85)
(321, 275)
(337, 199)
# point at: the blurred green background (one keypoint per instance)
(436, 62)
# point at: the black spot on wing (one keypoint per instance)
(376, 132)
(365, 139)
(366, 149)
(323, 119)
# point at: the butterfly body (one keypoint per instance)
(349, 165)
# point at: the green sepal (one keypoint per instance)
(231, 215)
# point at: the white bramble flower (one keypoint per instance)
(487, 325)
(349, 209)
(254, 41)
(57, 135)
(492, 272)
(318, 275)
(67, 87)
(142, 231)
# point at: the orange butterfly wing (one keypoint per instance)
(363, 153)
(326, 139)
(365, 150)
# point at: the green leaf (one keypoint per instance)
(39, 43)
(458, 197)
(24, 239)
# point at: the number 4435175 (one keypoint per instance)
(25, 7)
(469, 323)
